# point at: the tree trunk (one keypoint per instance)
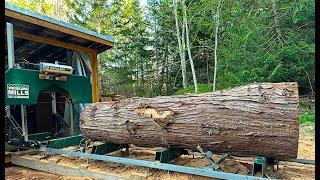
(256, 119)
(185, 21)
(216, 46)
(181, 46)
(275, 4)
(183, 37)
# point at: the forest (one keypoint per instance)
(212, 88)
(257, 41)
(166, 47)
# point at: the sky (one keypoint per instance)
(143, 3)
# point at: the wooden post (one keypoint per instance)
(95, 76)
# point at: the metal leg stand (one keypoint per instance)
(208, 155)
(9, 130)
(71, 120)
(262, 164)
(24, 122)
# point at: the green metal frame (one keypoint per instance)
(166, 155)
(64, 142)
(259, 165)
(78, 87)
(40, 136)
(106, 148)
(260, 160)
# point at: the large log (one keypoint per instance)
(256, 119)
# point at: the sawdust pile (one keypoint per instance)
(21, 173)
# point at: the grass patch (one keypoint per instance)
(307, 114)
(202, 88)
(306, 117)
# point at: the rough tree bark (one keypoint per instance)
(256, 119)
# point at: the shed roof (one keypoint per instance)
(32, 31)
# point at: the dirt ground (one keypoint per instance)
(287, 170)
(307, 141)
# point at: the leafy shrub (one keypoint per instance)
(307, 114)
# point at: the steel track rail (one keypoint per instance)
(303, 161)
(156, 165)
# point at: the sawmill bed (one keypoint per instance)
(71, 166)
(67, 164)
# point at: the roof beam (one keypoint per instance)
(52, 42)
(48, 49)
(24, 42)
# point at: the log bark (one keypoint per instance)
(255, 119)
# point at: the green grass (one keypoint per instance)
(307, 114)
(202, 88)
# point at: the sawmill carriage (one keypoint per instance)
(51, 72)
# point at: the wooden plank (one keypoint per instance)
(7, 157)
(52, 42)
(46, 24)
(61, 170)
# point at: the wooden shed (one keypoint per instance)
(38, 37)
(32, 39)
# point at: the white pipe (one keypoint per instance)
(54, 103)
(24, 122)
(10, 44)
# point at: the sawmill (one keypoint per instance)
(54, 110)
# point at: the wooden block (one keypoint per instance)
(84, 166)
(7, 157)
(53, 160)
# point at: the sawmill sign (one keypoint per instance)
(18, 91)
